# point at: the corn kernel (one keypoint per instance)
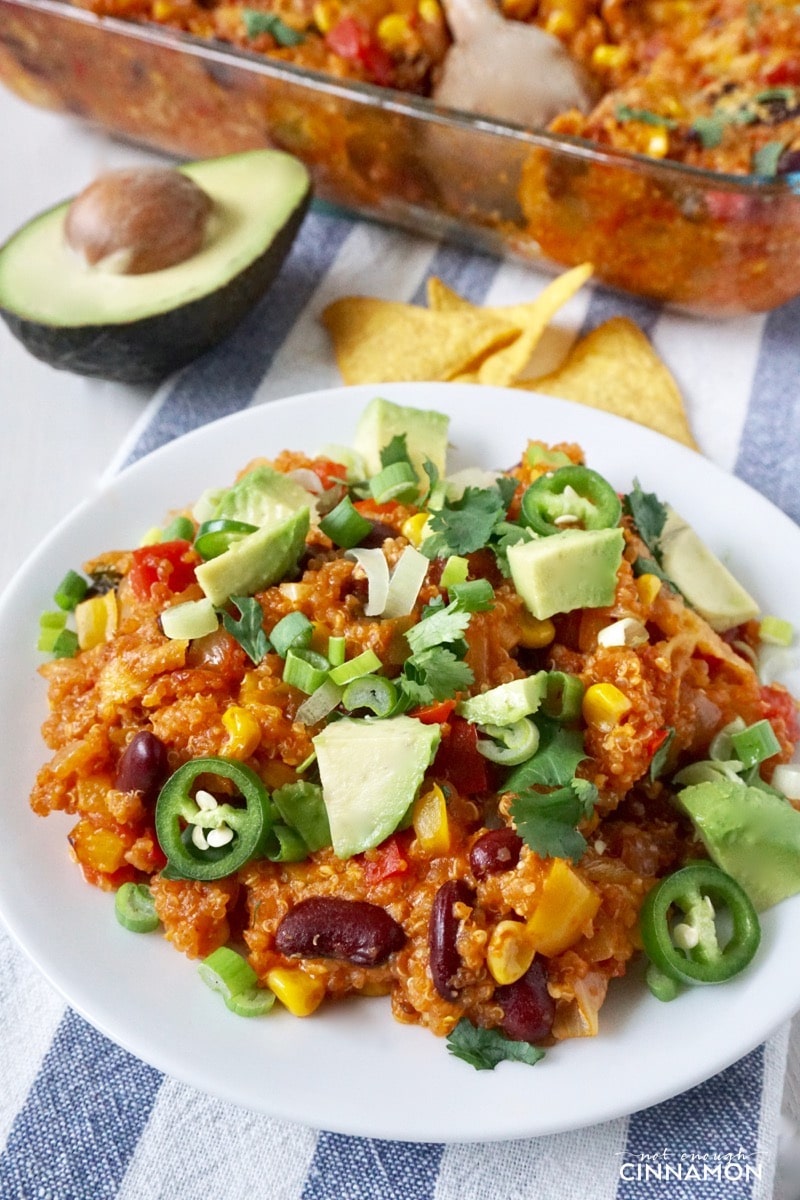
(430, 821)
(414, 528)
(604, 706)
(648, 586)
(244, 732)
(657, 143)
(535, 633)
(325, 16)
(96, 620)
(430, 11)
(607, 57)
(163, 10)
(393, 31)
(302, 994)
(560, 23)
(510, 951)
(564, 910)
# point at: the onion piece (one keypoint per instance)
(376, 569)
(786, 778)
(407, 578)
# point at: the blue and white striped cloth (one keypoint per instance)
(81, 1119)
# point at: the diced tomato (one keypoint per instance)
(780, 704)
(388, 860)
(656, 741)
(434, 714)
(352, 40)
(784, 72)
(170, 563)
(327, 469)
(459, 761)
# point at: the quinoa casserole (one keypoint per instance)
(412, 751)
(675, 177)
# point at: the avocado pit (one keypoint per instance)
(137, 220)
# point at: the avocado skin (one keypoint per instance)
(147, 350)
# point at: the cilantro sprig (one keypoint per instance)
(248, 630)
(256, 21)
(546, 821)
(483, 1049)
(649, 516)
(470, 522)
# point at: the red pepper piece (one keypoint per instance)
(388, 860)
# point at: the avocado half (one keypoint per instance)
(139, 328)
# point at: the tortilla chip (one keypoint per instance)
(615, 368)
(504, 366)
(382, 341)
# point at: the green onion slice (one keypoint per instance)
(252, 1002)
(398, 481)
(228, 972)
(509, 745)
(180, 528)
(285, 844)
(66, 644)
(344, 525)
(134, 908)
(755, 743)
(337, 650)
(305, 669)
(455, 570)
(363, 664)
(217, 536)
(564, 696)
(319, 704)
(70, 591)
(775, 631)
(373, 692)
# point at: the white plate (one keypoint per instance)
(351, 1068)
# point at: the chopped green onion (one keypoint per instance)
(775, 631)
(337, 650)
(344, 525)
(70, 591)
(398, 481)
(660, 984)
(305, 669)
(252, 1002)
(721, 747)
(321, 702)
(564, 696)
(227, 971)
(373, 692)
(363, 664)
(406, 579)
(756, 743)
(475, 595)
(134, 908)
(66, 644)
(509, 745)
(285, 844)
(455, 570)
(152, 536)
(217, 536)
(50, 626)
(376, 569)
(180, 528)
(294, 631)
(191, 619)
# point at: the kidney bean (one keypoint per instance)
(377, 535)
(528, 1008)
(494, 851)
(143, 766)
(327, 927)
(443, 932)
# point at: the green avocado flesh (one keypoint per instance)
(137, 328)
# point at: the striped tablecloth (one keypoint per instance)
(81, 1119)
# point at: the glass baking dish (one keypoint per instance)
(706, 242)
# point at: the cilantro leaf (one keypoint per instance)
(645, 116)
(249, 629)
(466, 524)
(256, 22)
(395, 451)
(766, 159)
(442, 625)
(483, 1049)
(546, 821)
(647, 513)
(434, 674)
(659, 759)
(555, 762)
